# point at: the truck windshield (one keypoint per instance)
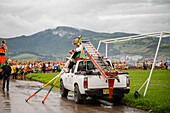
(90, 65)
(87, 66)
(81, 67)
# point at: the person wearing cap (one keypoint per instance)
(151, 64)
(116, 65)
(144, 65)
(125, 65)
(78, 53)
(161, 64)
(120, 65)
(137, 65)
(147, 65)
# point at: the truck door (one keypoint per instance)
(95, 79)
(66, 80)
(71, 77)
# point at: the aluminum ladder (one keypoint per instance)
(108, 73)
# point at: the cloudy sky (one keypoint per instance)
(26, 17)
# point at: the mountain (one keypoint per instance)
(57, 42)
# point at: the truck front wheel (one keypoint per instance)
(63, 91)
(77, 95)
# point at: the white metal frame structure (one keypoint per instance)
(107, 41)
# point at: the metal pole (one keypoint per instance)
(62, 71)
(106, 50)
(153, 63)
(98, 45)
(51, 88)
(143, 85)
(41, 88)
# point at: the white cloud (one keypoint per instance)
(25, 17)
(14, 25)
(138, 23)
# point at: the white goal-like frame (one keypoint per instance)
(161, 34)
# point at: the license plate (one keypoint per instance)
(105, 91)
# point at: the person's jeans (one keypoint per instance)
(7, 85)
(14, 76)
(72, 63)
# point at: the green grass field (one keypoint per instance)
(157, 97)
(43, 77)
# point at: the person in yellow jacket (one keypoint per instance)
(14, 70)
(125, 65)
(137, 65)
(113, 64)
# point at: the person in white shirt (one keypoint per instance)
(76, 52)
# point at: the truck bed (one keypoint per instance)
(97, 81)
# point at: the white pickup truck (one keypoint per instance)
(85, 80)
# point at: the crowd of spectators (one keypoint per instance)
(20, 68)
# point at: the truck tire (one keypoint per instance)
(63, 91)
(77, 95)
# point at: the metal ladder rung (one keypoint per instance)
(88, 47)
(91, 50)
(98, 62)
(86, 44)
(93, 54)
